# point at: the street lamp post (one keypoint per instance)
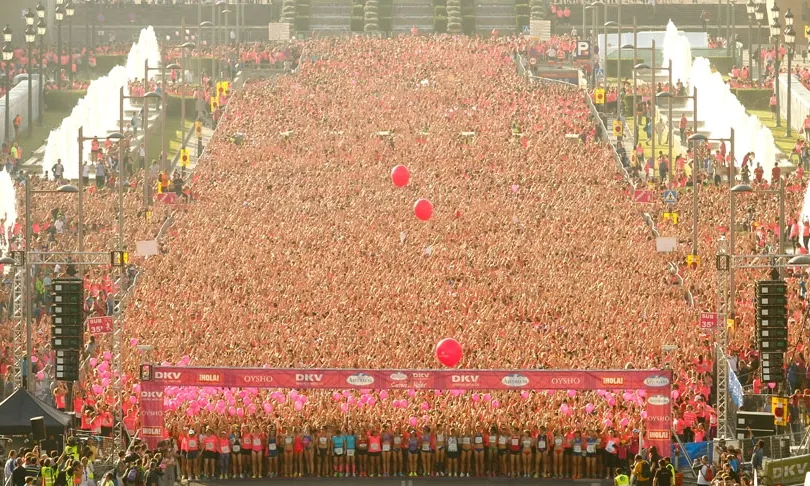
(69, 11)
(60, 15)
(8, 55)
(790, 43)
(776, 29)
(199, 75)
(760, 16)
(41, 31)
(668, 69)
(750, 9)
(635, 86)
(30, 38)
(618, 64)
(185, 47)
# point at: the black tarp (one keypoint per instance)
(17, 410)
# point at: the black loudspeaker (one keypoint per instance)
(38, 428)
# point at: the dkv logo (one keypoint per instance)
(658, 400)
(309, 378)
(465, 379)
(151, 395)
(656, 381)
(515, 380)
(168, 375)
(360, 379)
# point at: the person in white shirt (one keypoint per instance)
(11, 463)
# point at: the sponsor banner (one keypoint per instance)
(792, 470)
(658, 427)
(151, 413)
(392, 379)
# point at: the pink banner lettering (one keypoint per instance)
(100, 325)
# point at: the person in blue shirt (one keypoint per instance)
(758, 452)
(351, 466)
(339, 452)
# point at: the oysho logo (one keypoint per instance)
(152, 413)
(658, 418)
(613, 380)
(399, 376)
(151, 394)
(167, 375)
(360, 379)
(465, 379)
(656, 381)
(658, 400)
(515, 380)
(153, 431)
(312, 378)
(565, 380)
(257, 379)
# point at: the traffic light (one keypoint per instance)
(772, 328)
(779, 407)
(67, 327)
(184, 158)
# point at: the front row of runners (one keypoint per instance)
(385, 452)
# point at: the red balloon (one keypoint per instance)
(400, 176)
(423, 209)
(448, 352)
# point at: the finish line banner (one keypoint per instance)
(656, 384)
(341, 379)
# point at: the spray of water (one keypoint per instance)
(98, 111)
(718, 108)
(8, 207)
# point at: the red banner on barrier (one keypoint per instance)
(656, 383)
(100, 325)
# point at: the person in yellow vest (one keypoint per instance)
(621, 479)
(72, 449)
(48, 473)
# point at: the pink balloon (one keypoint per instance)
(240, 412)
(383, 395)
(133, 399)
(437, 392)
(608, 423)
(404, 403)
(524, 394)
(623, 422)
(298, 406)
(346, 393)
(107, 356)
(412, 421)
(34, 358)
(475, 397)
(448, 352)
(400, 175)
(267, 408)
(97, 389)
(675, 394)
(572, 393)
(371, 401)
(351, 400)
(136, 388)
(93, 362)
(40, 375)
(344, 407)
(133, 342)
(515, 188)
(293, 394)
(425, 406)
(232, 410)
(411, 393)
(564, 407)
(612, 402)
(105, 382)
(589, 408)
(771, 385)
(496, 404)
(302, 398)
(423, 209)
(641, 392)
(644, 414)
(336, 396)
(487, 397)
(601, 393)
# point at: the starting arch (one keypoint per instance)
(656, 383)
